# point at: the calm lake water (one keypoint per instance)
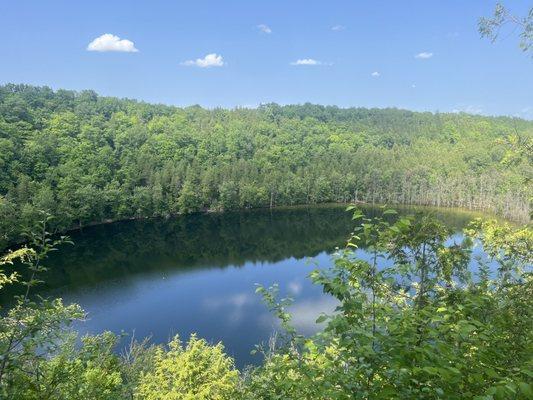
(198, 273)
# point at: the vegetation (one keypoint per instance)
(198, 371)
(490, 27)
(420, 318)
(427, 327)
(88, 159)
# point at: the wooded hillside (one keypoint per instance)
(85, 158)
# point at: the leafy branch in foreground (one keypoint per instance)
(31, 331)
(491, 27)
(422, 322)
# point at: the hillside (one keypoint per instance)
(85, 158)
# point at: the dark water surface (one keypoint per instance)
(198, 273)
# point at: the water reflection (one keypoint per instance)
(198, 273)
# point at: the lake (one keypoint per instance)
(198, 273)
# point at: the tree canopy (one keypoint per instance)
(87, 159)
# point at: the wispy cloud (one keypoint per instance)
(338, 28)
(468, 108)
(375, 74)
(109, 42)
(264, 28)
(210, 60)
(309, 61)
(424, 55)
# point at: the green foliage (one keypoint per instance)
(138, 360)
(503, 242)
(31, 331)
(197, 371)
(490, 27)
(87, 159)
(23, 254)
(88, 372)
(416, 324)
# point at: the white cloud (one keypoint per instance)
(305, 61)
(413, 85)
(109, 42)
(424, 55)
(264, 28)
(338, 28)
(375, 74)
(309, 61)
(210, 60)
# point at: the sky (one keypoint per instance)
(417, 54)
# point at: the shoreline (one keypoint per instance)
(416, 207)
(476, 213)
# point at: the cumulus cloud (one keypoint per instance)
(309, 61)
(305, 61)
(264, 28)
(210, 60)
(109, 42)
(424, 55)
(375, 74)
(338, 28)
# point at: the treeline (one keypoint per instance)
(86, 159)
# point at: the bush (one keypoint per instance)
(195, 372)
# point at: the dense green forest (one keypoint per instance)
(86, 159)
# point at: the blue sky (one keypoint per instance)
(271, 51)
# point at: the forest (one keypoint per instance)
(87, 159)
